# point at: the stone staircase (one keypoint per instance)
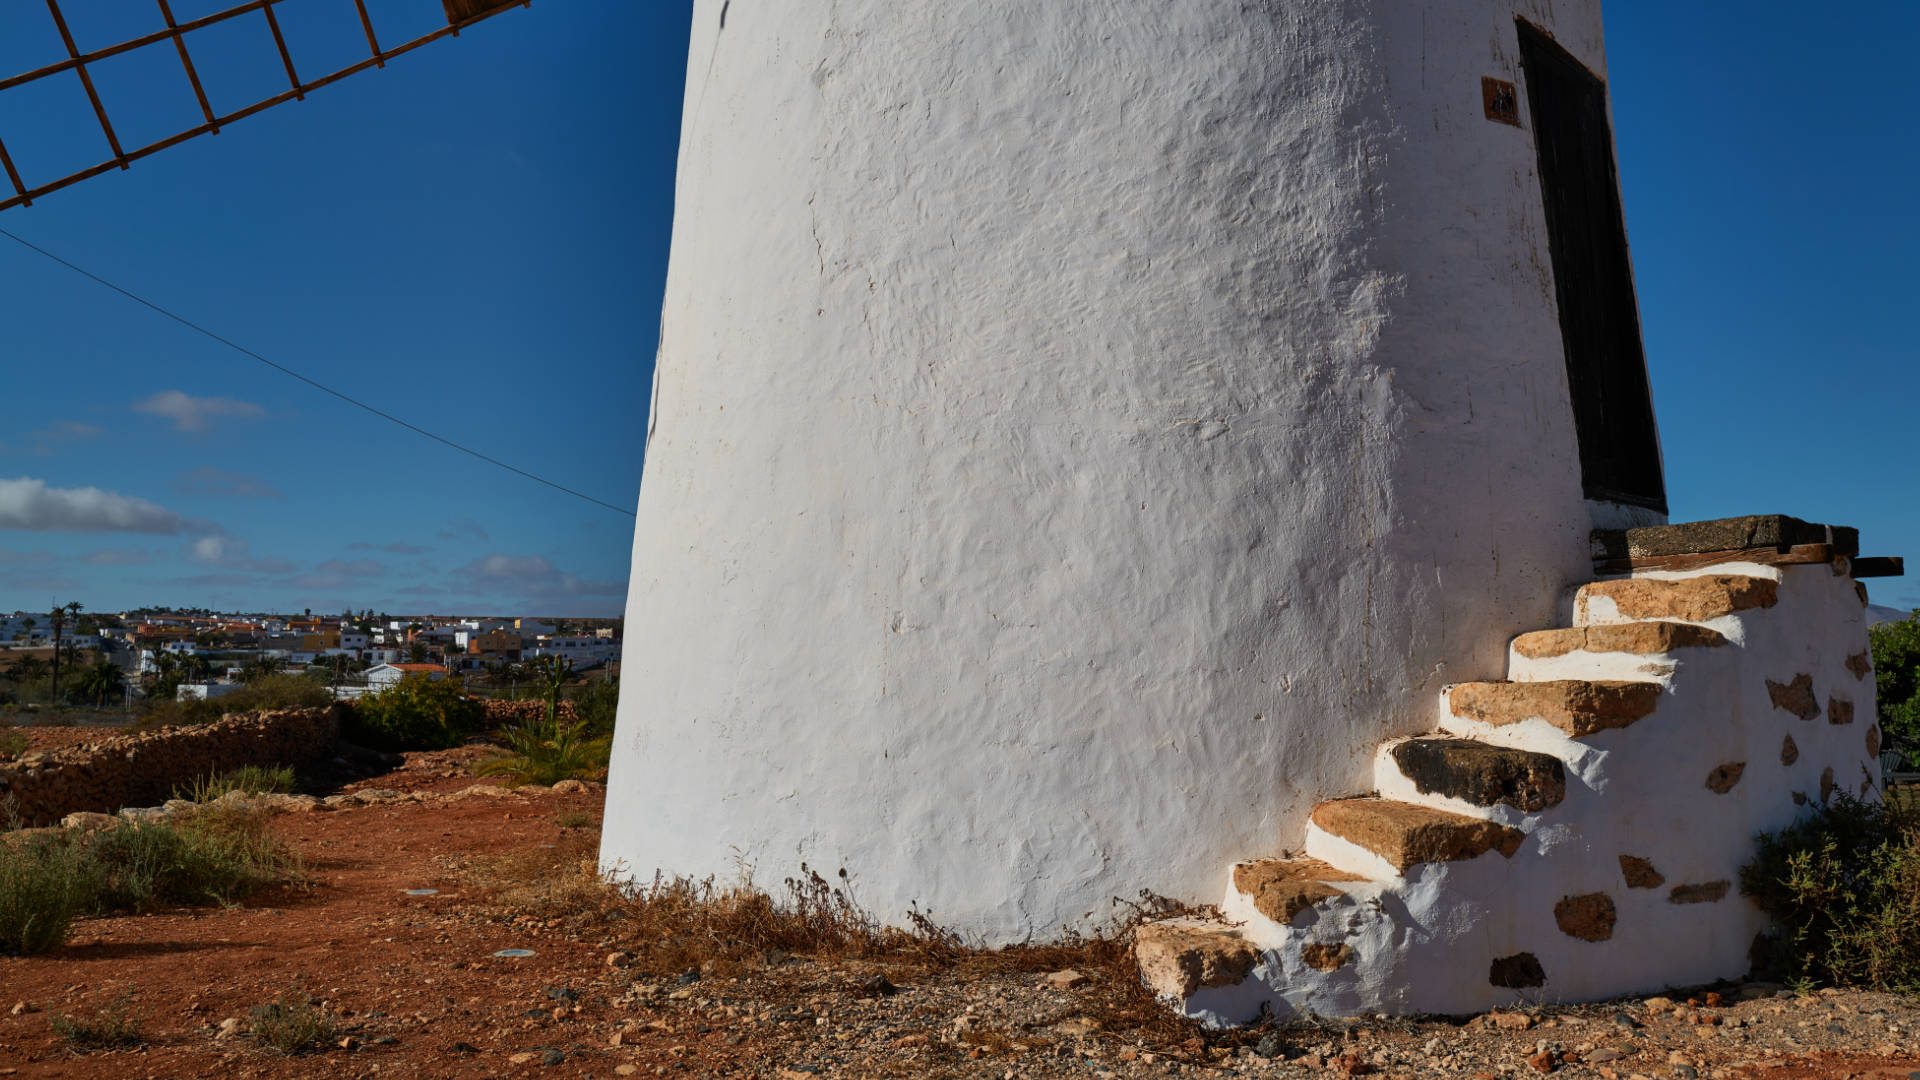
(1575, 831)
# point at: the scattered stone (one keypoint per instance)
(229, 1027)
(1065, 979)
(1078, 1025)
(21, 1008)
(619, 959)
(879, 986)
(1658, 1004)
(1510, 1021)
(347, 1042)
(1270, 1045)
(1605, 1054)
(522, 1058)
(1542, 1061)
(569, 787)
(465, 1048)
(625, 1069)
(562, 993)
(552, 1057)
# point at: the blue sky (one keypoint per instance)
(475, 238)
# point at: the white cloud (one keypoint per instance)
(30, 505)
(232, 553)
(195, 414)
(531, 576)
(207, 480)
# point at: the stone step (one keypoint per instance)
(1474, 772)
(1638, 638)
(1180, 957)
(1578, 707)
(1405, 835)
(1689, 599)
(1281, 889)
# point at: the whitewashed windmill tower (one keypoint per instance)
(1083, 434)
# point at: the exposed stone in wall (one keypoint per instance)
(1873, 740)
(1796, 697)
(144, 768)
(1640, 874)
(1839, 711)
(1517, 972)
(1826, 784)
(1325, 957)
(1861, 664)
(1589, 917)
(1789, 751)
(1703, 893)
(1724, 776)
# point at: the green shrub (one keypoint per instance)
(292, 1025)
(1896, 676)
(12, 743)
(111, 1027)
(594, 705)
(213, 857)
(252, 779)
(44, 886)
(415, 714)
(549, 750)
(1843, 887)
(216, 854)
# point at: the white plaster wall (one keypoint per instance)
(1080, 433)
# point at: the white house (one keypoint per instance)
(382, 675)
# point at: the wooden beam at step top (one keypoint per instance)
(1765, 556)
(1880, 566)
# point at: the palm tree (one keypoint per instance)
(100, 680)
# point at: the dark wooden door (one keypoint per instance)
(1593, 278)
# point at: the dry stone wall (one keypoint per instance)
(521, 712)
(144, 768)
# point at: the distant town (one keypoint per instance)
(185, 655)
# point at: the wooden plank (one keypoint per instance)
(1880, 566)
(1765, 556)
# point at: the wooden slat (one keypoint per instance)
(1880, 566)
(1765, 556)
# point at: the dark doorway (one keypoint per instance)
(1593, 278)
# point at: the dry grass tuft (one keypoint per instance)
(681, 924)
